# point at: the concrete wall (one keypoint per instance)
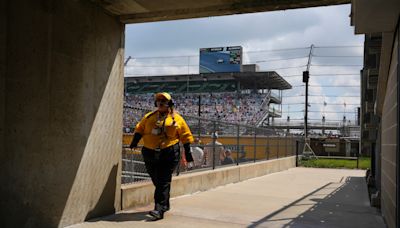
(134, 195)
(63, 113)
(3, 34)
(389, 142)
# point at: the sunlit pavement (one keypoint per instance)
(299, 197)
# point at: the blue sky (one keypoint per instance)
(258, 34)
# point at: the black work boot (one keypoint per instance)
(157, 214)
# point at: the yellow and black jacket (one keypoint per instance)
(161, 132)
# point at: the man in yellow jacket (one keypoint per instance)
(161, 131)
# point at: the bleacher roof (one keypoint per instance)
(210, 82)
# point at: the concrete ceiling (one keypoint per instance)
(374, 16)
(136, 11)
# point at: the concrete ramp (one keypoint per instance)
(299, 197)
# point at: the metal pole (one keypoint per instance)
(255, 143)
(357, 160)
(237, 145)
(306, 79)
(214, 139)
(199, 116)
(306, 112)
(310, 57)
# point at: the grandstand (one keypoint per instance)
(250, 98)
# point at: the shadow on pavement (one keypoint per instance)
(341, 204)
(124, 217)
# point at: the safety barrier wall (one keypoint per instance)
(140, 194)
(243, 149)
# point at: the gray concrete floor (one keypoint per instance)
(299, 197)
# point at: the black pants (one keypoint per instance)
(160, 165)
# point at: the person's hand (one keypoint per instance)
(188, 154)
(135, 141)
(133, 146)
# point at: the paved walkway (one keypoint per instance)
(299, 197)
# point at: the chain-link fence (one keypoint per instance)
(331, 153)
(217, 144)
(133, 169)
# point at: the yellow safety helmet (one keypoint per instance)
(161, 96)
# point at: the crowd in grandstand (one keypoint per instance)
(220, 106)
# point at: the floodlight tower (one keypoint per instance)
(307, 150)
(306, 77)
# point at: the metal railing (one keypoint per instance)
(236, 144)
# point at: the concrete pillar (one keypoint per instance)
(63, 113)
(3, 35)
(389, 141)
